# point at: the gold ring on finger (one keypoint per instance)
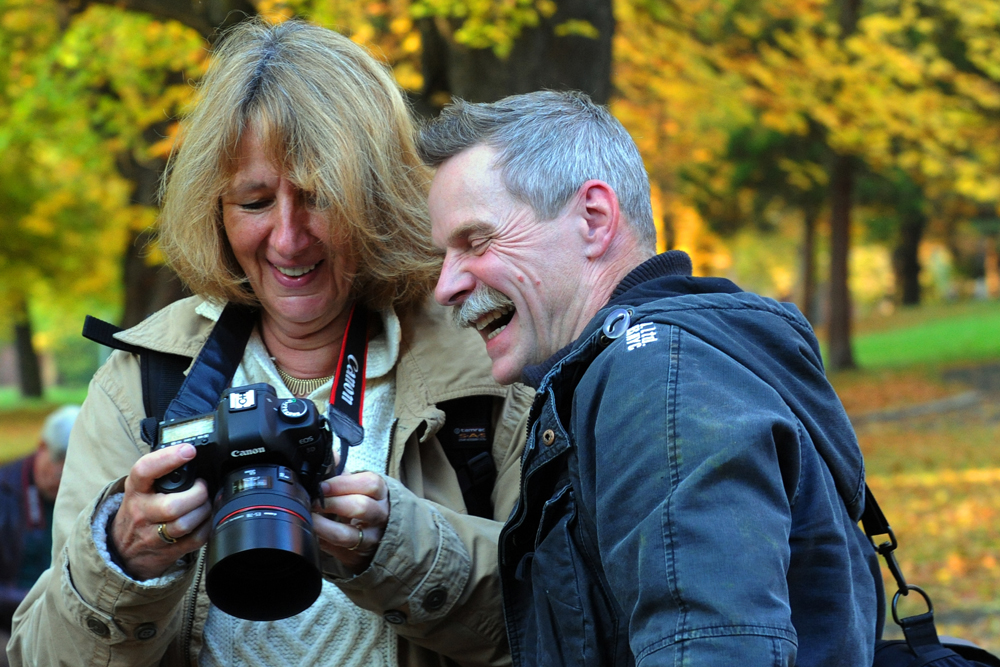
(161, 530)
(361, 538)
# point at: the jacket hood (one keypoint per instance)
(772, 340)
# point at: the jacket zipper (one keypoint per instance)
(192, 608)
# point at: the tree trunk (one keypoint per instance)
(540, 59)
(810, 214)
(208, 17)
(148, 287)
(991, 266)
(839, 320)
(841, 196)
(29, 370)
(906, 260)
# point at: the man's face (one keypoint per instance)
(47, 471)
(507, 273)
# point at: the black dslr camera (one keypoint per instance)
(263, 459)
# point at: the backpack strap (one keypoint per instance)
(467, 437)
(166, 392)
(214, 367)
(919, 630)
(162, 373)
(874, 523)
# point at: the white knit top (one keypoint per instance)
(333, 631)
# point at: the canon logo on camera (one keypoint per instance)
(247, 452)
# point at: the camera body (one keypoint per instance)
(251, 426)
(263, 459)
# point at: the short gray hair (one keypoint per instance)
(548, 144)
(55, 431)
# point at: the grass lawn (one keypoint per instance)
(936, 334)
(21, 420)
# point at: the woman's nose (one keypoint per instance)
(291, 234)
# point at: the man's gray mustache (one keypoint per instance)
(483, 299)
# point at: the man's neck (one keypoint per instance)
(601, 279)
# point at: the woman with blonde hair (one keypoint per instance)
(296, 193)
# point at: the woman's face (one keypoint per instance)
(283, 245)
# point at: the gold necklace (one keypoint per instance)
(300, 387)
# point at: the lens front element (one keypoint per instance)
(263, 557)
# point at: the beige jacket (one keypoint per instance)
(82, 613)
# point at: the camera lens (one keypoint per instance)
(263, 557)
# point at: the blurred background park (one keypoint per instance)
(841, 154)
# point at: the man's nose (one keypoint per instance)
(454, 284)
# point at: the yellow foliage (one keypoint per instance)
(161, 149)
(408, 77)
(546, 8)
(276, 11)
(577, 27)
(708, 255)
(401, 25)
(411, 43)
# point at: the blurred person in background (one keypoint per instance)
(28, 490)
(295, 190)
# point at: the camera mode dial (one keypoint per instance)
(293, 409)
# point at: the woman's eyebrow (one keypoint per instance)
(245, 187)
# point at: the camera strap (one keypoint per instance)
(214, 367)
(166, 392)
(348, 394)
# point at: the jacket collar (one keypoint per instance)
(427, 371)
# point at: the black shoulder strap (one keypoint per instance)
(874, 523)
(162, 372)
(166, 392)
(467, 439)
(214, 367)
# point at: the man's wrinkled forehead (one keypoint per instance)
(465, 197)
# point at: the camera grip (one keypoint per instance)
(177, 480)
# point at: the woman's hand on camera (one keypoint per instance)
(351, 524)
(143, 545)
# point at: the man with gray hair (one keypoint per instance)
(691, 485)
(28, 489)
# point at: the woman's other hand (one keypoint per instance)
(352, 522)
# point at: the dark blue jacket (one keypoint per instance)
(13, 478)
(690, 492)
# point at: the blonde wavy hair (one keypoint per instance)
(333, 120)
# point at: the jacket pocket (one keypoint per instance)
(559, 610)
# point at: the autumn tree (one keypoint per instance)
(73, 116)
(737, 108)
(474, 52)
(761, 170)
(889, 84)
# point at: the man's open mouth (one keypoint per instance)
(495, 321)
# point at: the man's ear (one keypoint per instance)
(601, 217)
